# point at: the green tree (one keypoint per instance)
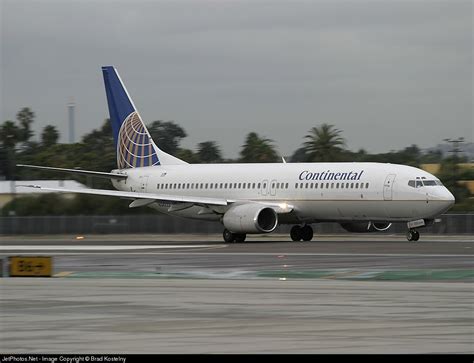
(49, 136)
(209, 152)
(187, 155)
(166, 135)
(258, 150)
(10, 135)
(25, 117)
(324, 143)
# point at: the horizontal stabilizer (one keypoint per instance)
(97, 174)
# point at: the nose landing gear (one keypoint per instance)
(413, 235)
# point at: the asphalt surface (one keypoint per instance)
(195, 294)
(207, 256)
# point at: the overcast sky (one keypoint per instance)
(388, 73)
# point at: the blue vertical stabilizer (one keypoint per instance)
(120, 104)
(134, 145)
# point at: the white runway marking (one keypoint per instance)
(94, 248)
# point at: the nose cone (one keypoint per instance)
(447, 199)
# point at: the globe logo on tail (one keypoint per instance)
(135, 148)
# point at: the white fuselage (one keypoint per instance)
(316, 191)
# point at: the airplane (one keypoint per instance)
(255, 198)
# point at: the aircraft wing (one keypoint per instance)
(136, 195)
(98, 174)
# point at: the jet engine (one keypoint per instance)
(250, 218)
(364, 227)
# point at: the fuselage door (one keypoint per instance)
(388, 186)
(273, 187)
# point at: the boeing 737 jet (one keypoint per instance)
(256, 198)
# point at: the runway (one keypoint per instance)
(367, 257)
(195, 294)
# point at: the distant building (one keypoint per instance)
(9, 190)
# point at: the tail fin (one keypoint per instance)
(135, 147)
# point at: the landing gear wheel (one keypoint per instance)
(240, 237)
(416, 236)
(413, 235)
(296, 233)
(228, 236)
(307, 233)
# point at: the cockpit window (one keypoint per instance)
(430, 183)
(427, 183)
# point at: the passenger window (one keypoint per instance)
(352, 185)
(315, 185)
(332, 185)
(258, 185)
(253, 186)
(296, 185)
(367, 185)
(337, 185)
(327, 185)
(357, 185)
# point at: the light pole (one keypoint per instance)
(455, 150)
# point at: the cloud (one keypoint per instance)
(376, 69)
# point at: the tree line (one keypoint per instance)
(96, 151)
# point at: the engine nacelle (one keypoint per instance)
(364, 227)
(250, 218)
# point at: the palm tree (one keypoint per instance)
(324, 143)
(209, 152)
(257, 150)
(49, 136)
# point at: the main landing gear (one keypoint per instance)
(413, 235)
(299, 233)
(233, 237)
